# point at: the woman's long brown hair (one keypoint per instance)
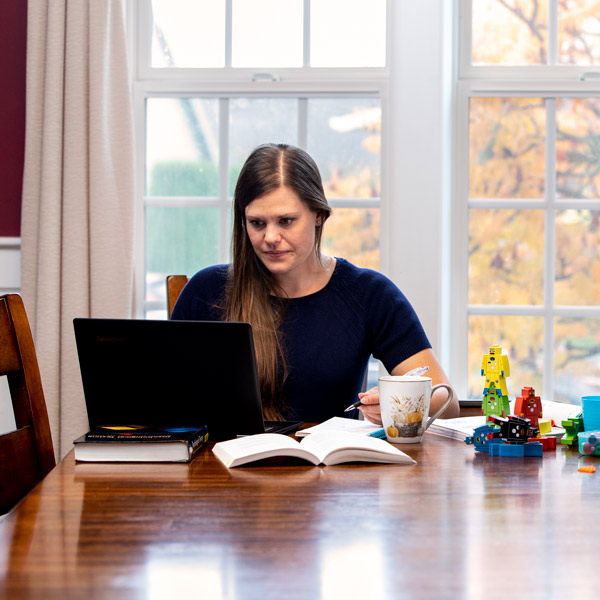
(252, 293)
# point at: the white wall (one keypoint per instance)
(10, 282)
(7, 417)
(417, 141)
(10, 265)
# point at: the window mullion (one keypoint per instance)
(139, 99)
(550, 245)
(224, 203)
(303, 123)
(143, 41)
(553, 32)
(465, 36)
(228, 33)
(306, 35)
(461, 310)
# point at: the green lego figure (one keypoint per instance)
(494, 403)
(572, 427)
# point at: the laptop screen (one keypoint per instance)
(170, 373)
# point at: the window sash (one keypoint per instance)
(258, 76)
(549, 204)
(228, 83)
(223, 201)
(548, 81)
(523, 74)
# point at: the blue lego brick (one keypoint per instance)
(515, 450)
(534, 449)
(506, 450)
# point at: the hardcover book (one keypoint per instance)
(137, 443)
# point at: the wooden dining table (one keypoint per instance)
(458, 524)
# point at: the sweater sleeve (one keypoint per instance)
(397, 333)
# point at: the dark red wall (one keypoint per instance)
(13, 42)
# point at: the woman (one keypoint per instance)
(316, 319)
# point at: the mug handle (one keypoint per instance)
(444, 406)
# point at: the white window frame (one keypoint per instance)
(416, 99)
(225, 84)
(224, 201)
(537, 81)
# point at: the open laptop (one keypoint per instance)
(172, 373)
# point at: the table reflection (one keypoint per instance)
(181, 577)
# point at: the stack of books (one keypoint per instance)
(462, 427)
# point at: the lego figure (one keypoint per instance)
(515, 433)
(506, 437)
(513, 429)
(572, 427)
(495, 368)
(494, 403)
(528, 405)
(482, 437)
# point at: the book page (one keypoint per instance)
(558, 411)
(327, 444)
(459, 423)
(341, 424)
(457, 428)
(262, 445)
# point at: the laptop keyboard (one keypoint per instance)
(281, 426)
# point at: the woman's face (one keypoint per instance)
(281, 229)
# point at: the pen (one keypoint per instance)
(417, 371)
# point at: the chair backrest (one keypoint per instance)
(26, 454)
(175, 283)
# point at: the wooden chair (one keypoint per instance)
(175, 283)
(26, 454)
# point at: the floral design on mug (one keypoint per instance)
(406, 414)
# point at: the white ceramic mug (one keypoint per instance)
(405, 403)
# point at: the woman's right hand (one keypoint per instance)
(371, 409)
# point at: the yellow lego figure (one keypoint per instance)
(496, 369)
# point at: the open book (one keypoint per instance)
(322, 447)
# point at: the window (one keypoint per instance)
(528, 164)
(210, 87)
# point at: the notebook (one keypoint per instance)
(189, 373)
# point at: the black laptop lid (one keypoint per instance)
(170, 373)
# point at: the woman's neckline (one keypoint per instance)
(322, 288)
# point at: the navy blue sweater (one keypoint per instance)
(327, 336)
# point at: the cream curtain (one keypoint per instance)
(78, 189)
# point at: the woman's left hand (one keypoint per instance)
(371, 409)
